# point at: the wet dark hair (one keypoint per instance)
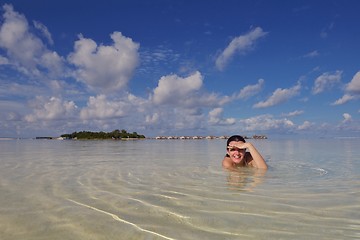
(236, 138)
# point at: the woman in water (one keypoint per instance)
(237, 156)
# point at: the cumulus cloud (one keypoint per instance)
(43, 29)
(352, 91)
(306, 125)
(326, 81)
(100, 107)
(25, 50)
(100, 113)
(185, 92)
(251, 90)
(241, 45)
(347, 118)
(105, 68)
(173, 89)
(265, 122)
(216, 118)
(52, 109)
(279, 96)
(354, 85)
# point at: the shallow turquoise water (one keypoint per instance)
(176, 189)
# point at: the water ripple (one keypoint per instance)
(117, 218)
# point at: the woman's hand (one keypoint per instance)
(257, 160)
(240, 145)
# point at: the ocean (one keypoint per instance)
(177, 189)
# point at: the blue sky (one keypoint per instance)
(161, 67)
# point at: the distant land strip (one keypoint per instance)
(123, 134)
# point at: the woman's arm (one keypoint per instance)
(257, 160)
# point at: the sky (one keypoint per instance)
(182, 68)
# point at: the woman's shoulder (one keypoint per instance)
(226, 162)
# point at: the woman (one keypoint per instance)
(237, 156)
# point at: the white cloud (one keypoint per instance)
(16, 39)
(241, 44)
(251, 90)
(138, 103)
(292, 114)
(347, 118)
(23, 90)
(312, 54)
(25, 50)
(44, 31)
(101, 108)
(206, 100)
(326, 81)
(173, 89)
(354, 85)
(170, 121)
(265, 122)
(157, 60)
(105, 68)
(216, 118)
(352, 91)
(279, 96)
(3, 60)
(159, 55)
(52, 109)
(152, 119)
(185, 92)
(344, 99)
(306, 125)
(100, 113)
(187, 119)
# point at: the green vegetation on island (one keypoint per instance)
(116, 134)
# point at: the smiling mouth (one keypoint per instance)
(236, 157)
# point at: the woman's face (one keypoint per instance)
(236, 154)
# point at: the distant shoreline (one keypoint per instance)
(154, 138)
(207, 137)
(86, 139)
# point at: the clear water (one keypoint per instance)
(176, 189)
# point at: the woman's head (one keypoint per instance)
(234, 153)
(235, 138)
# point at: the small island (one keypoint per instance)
(116, 134)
